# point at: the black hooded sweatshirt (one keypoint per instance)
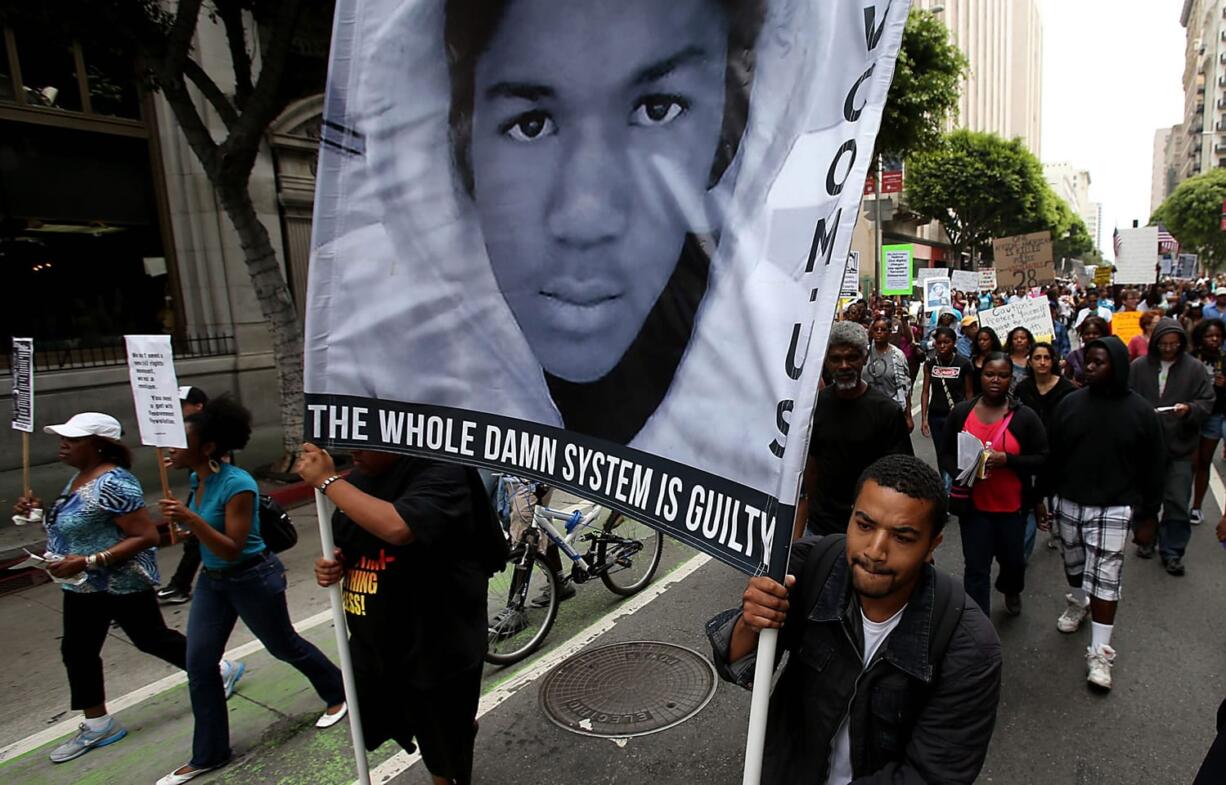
(1187, 383)
(1107, 446)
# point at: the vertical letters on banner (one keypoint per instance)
(21, 365)
(155, 390)
(478, 296)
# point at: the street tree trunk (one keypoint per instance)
(278, 310)
(229, 163)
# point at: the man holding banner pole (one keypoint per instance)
(552, 238)
(869, 622)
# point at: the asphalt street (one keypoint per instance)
(1154, 727)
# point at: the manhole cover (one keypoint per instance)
(628, 689)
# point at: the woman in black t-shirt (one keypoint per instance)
(414, 595)
(947, 382)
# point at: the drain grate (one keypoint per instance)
(627, 689)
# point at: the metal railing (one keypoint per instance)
(65, 355)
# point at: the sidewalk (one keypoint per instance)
(271, 715)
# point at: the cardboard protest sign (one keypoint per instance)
(896, 269)
(479, 294)
(1126, 325)
(21, 365)
(936, 293)
(1033, 313)
(1102, 275)
(1025, 260)
(923, 274)
(987, 280)
(1136, 259)
(851, 276)
(964, 281)
(155, 390)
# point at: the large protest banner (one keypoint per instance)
(1024, 260)
(1033, 313)
(510, 270)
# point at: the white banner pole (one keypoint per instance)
(759, 704)
(323, 508)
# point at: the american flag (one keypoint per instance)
(1166, 241)
(1117, 243)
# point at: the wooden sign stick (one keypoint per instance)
(171, 526)
(25, 465)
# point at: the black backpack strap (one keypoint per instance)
(947, 608)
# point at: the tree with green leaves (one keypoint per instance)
(1193, 213)
(927, 84)
(1070, 237)
(244, 97)
(979, 186)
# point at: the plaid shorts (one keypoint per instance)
(1093, 541)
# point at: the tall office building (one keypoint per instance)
(1164, 165)
(1004, 43)
(1202, 143)
(1073, 186)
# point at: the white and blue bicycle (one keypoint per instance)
(523, 599)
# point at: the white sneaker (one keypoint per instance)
(1099, 660)
(1073, 615)
(1197, 517)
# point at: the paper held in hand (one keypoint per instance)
(972, 459)
(44, 562)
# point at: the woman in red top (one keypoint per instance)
(993, 524)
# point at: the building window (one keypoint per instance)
(42, 71)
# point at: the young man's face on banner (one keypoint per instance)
(594, 129)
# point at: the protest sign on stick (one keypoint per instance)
(442, 323)
(987, 280)
(1033, 313)
(964, 281)
(155, 391)
(1025, 260)
(1126, 325)
(21, 364)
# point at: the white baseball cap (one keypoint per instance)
(88, 424)
(1218, 292)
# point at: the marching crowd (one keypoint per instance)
(894, 669)
(414, 591)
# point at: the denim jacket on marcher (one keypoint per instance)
(912, 722)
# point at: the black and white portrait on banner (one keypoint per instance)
(593, 225)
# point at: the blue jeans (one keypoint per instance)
(988, 535)
(1176, 528)
(1032, 532)
(257, 596)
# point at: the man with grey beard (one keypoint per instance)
(853, 426)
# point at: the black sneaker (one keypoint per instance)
(1013, 604)
(171, 595)
(1145, 551)
(1174, 566)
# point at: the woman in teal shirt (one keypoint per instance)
(242, 579)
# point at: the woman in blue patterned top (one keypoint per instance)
(241, 579)
(101, 539)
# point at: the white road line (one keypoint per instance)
(1217, 488)
(401, 761)
(36, 740)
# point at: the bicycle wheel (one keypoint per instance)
(521, 605)
(632, 552)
